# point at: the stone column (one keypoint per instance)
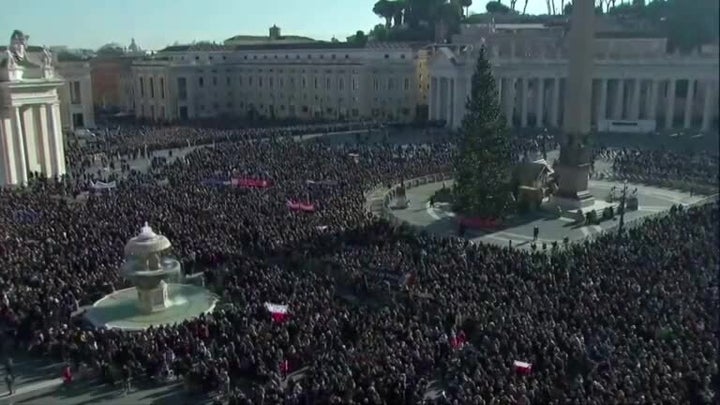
(555, 118)
(540, 103)
(57, 155)
(19, 150)
(708, 106)
(602, 104)
(652, 104)
(451, 103)
(30, 136)
(510, 105)
(689, 103)
(670, 104)
(618, 106)
(635, 100)
(43, 139)
(499, 84)
(440, 115)
(433, 99)
(9, 159)
(524, 103)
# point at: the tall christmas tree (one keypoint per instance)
(482, 164)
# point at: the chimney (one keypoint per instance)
(274, 32)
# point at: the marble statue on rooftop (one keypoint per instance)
(18, 45)
(47, 57)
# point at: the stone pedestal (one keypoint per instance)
(573, 191)
(153, 299)
(401, 202)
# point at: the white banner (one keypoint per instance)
(99, 185)
(276, 308)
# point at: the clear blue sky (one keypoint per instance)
(157, 23)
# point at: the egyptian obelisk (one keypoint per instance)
(574, 166)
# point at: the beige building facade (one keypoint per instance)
(76, 95)
(636, 86)
(306, 80)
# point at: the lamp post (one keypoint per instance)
(623, 199)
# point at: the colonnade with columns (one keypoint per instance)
(673, 103)
(31, 141)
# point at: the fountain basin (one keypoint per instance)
(119, 309)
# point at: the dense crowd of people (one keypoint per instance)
(627, 318)
(696, 168)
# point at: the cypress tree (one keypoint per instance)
(482, 164)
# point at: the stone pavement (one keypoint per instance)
(441, 220)
(88, 393)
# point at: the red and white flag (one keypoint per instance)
(285, 367)
(522, 367)
(278, 312)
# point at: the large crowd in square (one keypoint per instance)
(625, 318)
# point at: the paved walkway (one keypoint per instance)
(441, 220)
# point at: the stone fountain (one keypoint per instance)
(147, 269)
(156, 298)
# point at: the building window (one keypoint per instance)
(152, 88)
(402, 56)
(270, 82)
(304, 83)
(182, 88)
(341, 84)
(407, 84)
(214, 80)
(227, 80)
(376, 84)
(75, 94)
(315, 81)
(327, 83)
(201, 82)
(390, 84)
(387, 56)
(142, 88)
(355, 85)
(162, 88)
(259, 81)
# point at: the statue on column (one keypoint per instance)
(18, 45)
(47, 63)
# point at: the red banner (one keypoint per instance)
(250, 183)
(299, 206)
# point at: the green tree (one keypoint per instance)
(496, 7)
(359, 38)
(482, 164)
(111, 49)
(379, 33)
(385, 9)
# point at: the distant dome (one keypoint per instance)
(133, 46)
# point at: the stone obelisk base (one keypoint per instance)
(572, 191)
